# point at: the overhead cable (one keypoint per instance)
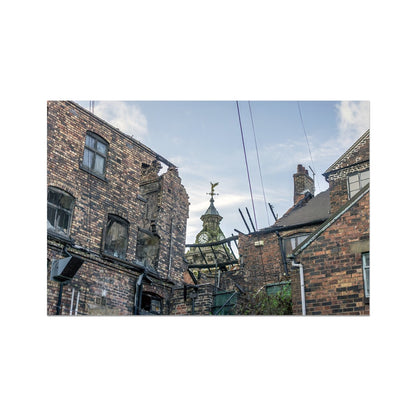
(245, 157)
(258, 163)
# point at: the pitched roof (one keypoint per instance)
(339, 163)
(312, 237)
(211, 209)
(315, 210)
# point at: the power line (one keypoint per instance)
(258, 163)
(245, 157)
(307, 141)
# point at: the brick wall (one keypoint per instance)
(165, 211)
(333, 266)
(261, 260)
(356, 160)
(201, 296)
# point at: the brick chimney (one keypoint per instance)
(302, 183)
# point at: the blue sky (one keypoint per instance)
(203, 139)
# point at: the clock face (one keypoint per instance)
(203, 238)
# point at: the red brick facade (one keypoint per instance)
(333, 258)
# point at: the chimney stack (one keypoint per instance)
(302, 183)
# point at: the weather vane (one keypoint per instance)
(213, 185)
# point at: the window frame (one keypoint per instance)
(105, 247)
(151, 300)
(146, 241)
(54, 229)
(361, 182)
(95, 151)
(365, 258)
(288, 241)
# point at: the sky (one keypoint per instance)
(203, 139)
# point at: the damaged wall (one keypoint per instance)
(118, 197)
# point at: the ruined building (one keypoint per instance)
(116, 231)
(116, 226)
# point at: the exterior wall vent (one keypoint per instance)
(64, 269)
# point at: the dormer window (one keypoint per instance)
(95, 154)
(357, 181)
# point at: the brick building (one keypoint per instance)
(263, 254)
(116, 226)
(334, 261)
(324, 239)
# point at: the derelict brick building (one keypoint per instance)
(118, 223)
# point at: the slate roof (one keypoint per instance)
(211, 209)
(315, 210)
(330, 221)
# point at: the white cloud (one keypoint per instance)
(353, 120)
(124, 115)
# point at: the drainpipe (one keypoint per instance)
(302, 286)
(138, 295)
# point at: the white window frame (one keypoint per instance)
(361, 179)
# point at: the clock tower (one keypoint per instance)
(210, 233)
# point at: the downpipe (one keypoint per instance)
(302, 286)
(138, 295)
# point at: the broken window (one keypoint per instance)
(147, 248)
(60, 208)
(116, 237)
(357, 182)
(95, 154)
(151, 303)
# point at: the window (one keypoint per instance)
(116, 237)
(151, 304)
(357, 182)
(293, 241)
(366, 273)
(60, 208)
(147, 248)
(95, 154)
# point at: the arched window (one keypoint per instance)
(95, 154)
(116, 237)
(60, 209)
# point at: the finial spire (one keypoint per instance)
(213, 185)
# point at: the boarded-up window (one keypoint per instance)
(116, 237)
